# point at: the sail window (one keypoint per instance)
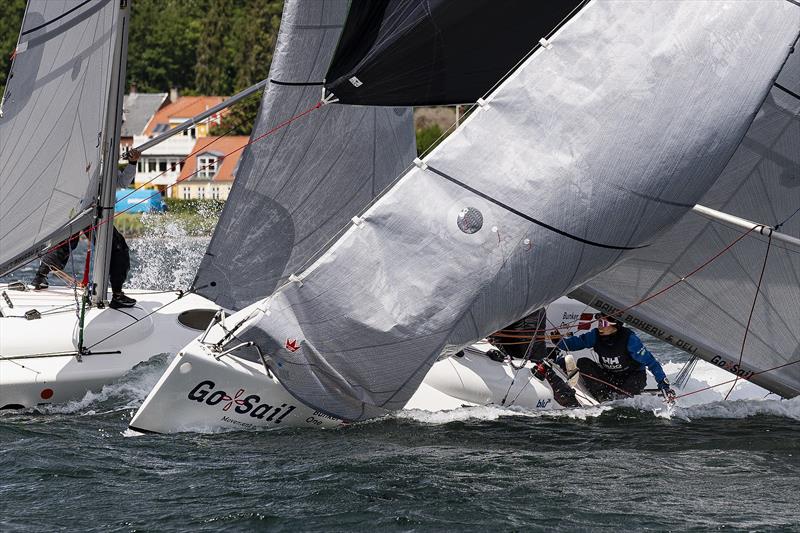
(469, 220)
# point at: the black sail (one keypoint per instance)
(435, 52)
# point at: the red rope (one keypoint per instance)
(752, 308)
(623, 391)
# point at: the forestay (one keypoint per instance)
(53, 112)
(296, 188)
(587, 151)
(707, 314)
(434, 52)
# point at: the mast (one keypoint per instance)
(104, 221)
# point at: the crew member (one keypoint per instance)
(622, 359)
(120, 253)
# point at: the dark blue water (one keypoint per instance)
(708, 465)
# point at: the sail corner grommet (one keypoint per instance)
(483, 103)
(294, 278)
(420, 163)
(544, 43)
(358, 221)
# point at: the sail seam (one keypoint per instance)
(529, 218)
(297, 83)
(61, 16)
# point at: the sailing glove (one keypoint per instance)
(666, 390)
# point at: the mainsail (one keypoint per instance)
(53, 112)
(708, 313)
(434, 52)
(296, 188)
(598, 142)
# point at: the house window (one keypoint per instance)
(162, 165)
(191, 132)
(215, 193)
(151, 165)
(187, 193)
(140, 166)
(206, 166)
(201, 193)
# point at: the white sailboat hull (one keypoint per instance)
(206, 391)
(39, 360)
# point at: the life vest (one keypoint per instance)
(612, 352)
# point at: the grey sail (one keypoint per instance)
(53, 111)
(598, 142)
(296, 188)
(707, 314)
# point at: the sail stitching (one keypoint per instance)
(529, 218)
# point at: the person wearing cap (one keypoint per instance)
(621, 360)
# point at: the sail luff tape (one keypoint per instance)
(544, 43)
(419, 163)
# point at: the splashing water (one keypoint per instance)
(168, 256)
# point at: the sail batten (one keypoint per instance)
(53, 113)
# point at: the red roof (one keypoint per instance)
(220, 147)
(185, 107)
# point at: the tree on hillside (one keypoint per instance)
(214, 70)
(162, 44)
(10, 24)
(259, 22)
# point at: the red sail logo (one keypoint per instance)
(291, 345)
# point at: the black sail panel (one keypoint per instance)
(435, 52)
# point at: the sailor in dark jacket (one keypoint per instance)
(120, 254)
(622, 359)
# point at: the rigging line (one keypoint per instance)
(626, 393)
(136, 321)
(529, 218)
(184, 160)
(61, 16)
(752, 308)
(787, 91)
(737, 377)
(778, 226)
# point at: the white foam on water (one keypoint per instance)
(126, 393)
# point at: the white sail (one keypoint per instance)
(602, 139)
(708, 313)
(297, 187)
(53, 111)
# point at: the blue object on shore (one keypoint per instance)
(139, 201)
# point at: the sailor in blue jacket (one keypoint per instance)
(622, 359)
